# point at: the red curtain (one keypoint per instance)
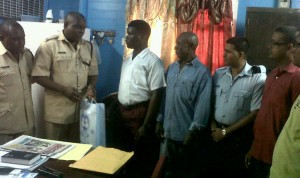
(212, 24)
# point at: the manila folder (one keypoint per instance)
(104, 160)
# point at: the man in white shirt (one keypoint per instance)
(140, 92)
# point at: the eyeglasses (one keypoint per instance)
(272, 44)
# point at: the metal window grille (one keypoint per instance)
(15, 8)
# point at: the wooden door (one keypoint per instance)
(260, 24)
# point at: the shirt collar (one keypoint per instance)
(194, 62)
(62, 37)
(291, 68)
(3, 50)
(246, 70)
(141, 54)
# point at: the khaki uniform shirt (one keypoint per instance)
(57, 59)
(16, 108)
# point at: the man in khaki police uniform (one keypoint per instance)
(66, 66)
(16, 109)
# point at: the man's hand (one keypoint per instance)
(159, 131)
(190, 137)
(72, 94)
(248, 159)
(91, 92)
(141, 132)
(217, 134)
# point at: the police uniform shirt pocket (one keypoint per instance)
(7, 74)
(62, 62)
(242, 100)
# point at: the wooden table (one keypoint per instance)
(63, 166)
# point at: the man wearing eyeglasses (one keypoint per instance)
(66, 66)
(286, 154)
(281, 90)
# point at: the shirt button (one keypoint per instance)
(231, 84)
(25, 99)
(226, 100)
(77, 63)
(24, 88)
(276, 77)
(78, 86)
(78, 74)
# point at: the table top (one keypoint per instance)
(63, 166)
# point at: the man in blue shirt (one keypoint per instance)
(238, 89)
(185, 109)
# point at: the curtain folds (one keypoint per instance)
(213, 25)
(211, 20)
(160, 14)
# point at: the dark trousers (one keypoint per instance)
(185, 161)
(259, 169)
(146, 149)
(227, 156)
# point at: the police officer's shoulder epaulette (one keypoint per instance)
(90, 43)
(28, 50)
(255, 69)
(54, 37)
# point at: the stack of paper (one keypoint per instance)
(104, 160)
(54, 149)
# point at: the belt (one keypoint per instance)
(220, 125)
(133, 106)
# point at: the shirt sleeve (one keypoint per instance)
(161, 114)
(93, 69)
(296, 85)
(258, 92)
(203, 102)
(156, 78)
(42, 62)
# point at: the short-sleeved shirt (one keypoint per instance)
(140, 76)
(282, 87)
(237, 97)
(16, 108)
(187, 102)
(286, 156)
(57, 59)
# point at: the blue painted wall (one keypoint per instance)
(242, 8)
(101, 15)
(57, 5)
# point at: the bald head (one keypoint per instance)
(190, 38)
(186, 45)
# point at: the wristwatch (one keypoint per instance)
(224, 132)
